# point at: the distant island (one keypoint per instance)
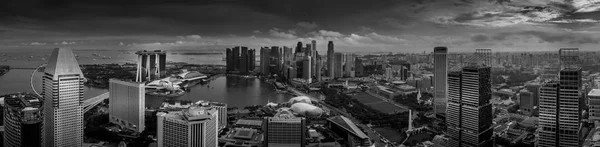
(4, 69)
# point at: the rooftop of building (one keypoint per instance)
(594, 92)
(151, 52)
(198, 113)
(348, 125)
(21, 101)
(194, 113)
(62, 62)
(249, 122)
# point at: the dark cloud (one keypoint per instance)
(480, 38)
(570, 38)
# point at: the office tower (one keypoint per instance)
(274, 58)
(288, 54)
(244, 60)
(222, 108)
(265, 61)
(194, 127)
(23, 121)
(314, 46)
(594, 102)
(339, 62)
(236, 58)
(127, 104)
(63, 100)
(319, 68)
(534, 88)
(229, 60)
(285, 130)
(548, 121)
(526, 103)
(560, 110)
(307, 69)
(151, 65)
(330, 60)
(440, 71)
(359, 69)
(349, 66)
(251, 59)
(299, 47)
(469, 113)
(389, 73)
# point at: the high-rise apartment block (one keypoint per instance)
(127, 104)
(440, 71)
(63, 100)
(151, 65)
(23, 120)
(193, 127)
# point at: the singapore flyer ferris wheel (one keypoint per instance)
(31, 78)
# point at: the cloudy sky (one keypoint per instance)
(353, 25)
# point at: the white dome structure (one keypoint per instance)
(306, 109)
(303, 99)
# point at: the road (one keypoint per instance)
(357, 122)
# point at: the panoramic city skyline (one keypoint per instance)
(381, 26)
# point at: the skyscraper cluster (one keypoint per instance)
(302, 62)
(240, 60)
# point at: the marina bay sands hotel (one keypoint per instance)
(151, 65)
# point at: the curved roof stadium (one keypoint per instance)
(191, 74)
(307, 110)
(303, 99)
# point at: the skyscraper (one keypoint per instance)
(594, 102)
(560, 110)
(194, 127)
(534, 88)
(339, 62)
(526, 102)
(127, 104)
(229, 60)
(244, 60)
(349, 65)
(330, 60)
(236, 58)
(359, 69)
(265, 61)
(23, 121)
(307, 69)
(469, 113)
(63, 98)
(440, 72)
(285, 130)
(151, 65)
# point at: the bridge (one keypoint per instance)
(92, 102)
(23, 67)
